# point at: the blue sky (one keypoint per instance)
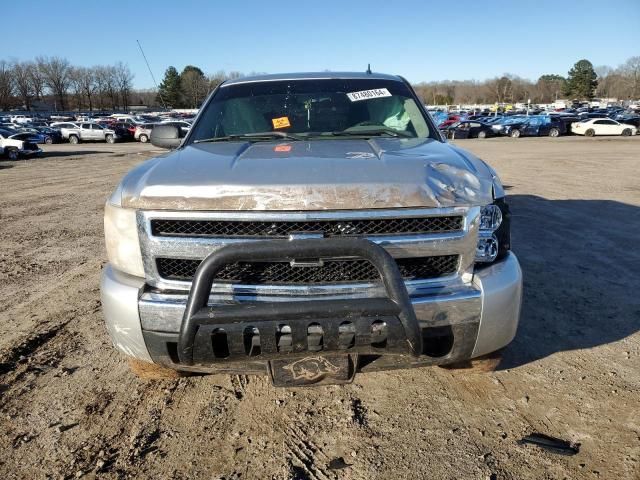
(421, 40)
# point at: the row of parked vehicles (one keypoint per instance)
(611, 121)
(21, 134)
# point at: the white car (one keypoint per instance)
(21, 119)
(16, 144)
(602, 126)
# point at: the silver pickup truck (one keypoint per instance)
(89, 132)
(309, 227)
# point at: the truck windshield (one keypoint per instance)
(304, 109)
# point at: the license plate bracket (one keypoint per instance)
(313, 370)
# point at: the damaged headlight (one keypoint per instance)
(494, 236)
(121, 238)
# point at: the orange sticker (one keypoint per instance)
(282, 148)
(281, 122)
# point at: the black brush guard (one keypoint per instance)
(221, 333)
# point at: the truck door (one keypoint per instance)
(97, 132)
(85, 131)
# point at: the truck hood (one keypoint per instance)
(309, 175)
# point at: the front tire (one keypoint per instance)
(590, 133)
(626, 132)
(48, 140)
(554, 132)
(12, 153)
(482, 134)
(110, 139)
(515, 133)
(73, 140)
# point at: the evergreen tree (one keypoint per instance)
(170, 90)
(195, 86)
(582, 81)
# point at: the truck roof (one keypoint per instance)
(311, 76)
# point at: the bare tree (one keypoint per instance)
(37, 80)
(631, 71)
(75, 81)
(87, 80)
(124, 81)
(22, 82)
(6, 85)
(107, 86)
(56, 75)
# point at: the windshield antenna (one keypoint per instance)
(368, 72)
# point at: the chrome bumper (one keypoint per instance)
(492, 301)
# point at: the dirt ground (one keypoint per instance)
(70, 408)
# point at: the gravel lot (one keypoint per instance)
(70, 408)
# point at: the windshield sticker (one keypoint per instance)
(368, 94)
(282, 148)
(280, 122)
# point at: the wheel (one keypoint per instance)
(110, 139)
(12, 153)
(554, 132)
(74, 139)
(484, 364)
(48, 140)
(626, 132)
(590, 133)
(515, 133)
(143, 138)
(482, 134)
(153, 371)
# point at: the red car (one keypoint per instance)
(449, 121)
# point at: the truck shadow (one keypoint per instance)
(580, 260)
(72, 153)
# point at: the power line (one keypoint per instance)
(151, 73)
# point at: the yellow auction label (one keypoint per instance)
(281, 122)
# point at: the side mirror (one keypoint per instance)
(165, 136)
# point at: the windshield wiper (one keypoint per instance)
(251, 136)
(372, 132)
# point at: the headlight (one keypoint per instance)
(494, 237)
(121, 238)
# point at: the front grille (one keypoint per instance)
(332, 271)
(282, 229)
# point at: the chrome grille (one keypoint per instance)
(330, 271)
(282, 229)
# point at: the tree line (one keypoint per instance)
(583, 82)
(54, 82)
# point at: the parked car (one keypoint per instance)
(65, 128)
(538, 125)
(256, 210)
(50, 135)
(15, 145)
(468, 129)
(143, 132)
(90, 132)
(123, 130)
(629, 119)
(451, 119)
(602, 126)
(21, 119)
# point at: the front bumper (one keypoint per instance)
(457, 323)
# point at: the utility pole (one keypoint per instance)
(151, 73)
